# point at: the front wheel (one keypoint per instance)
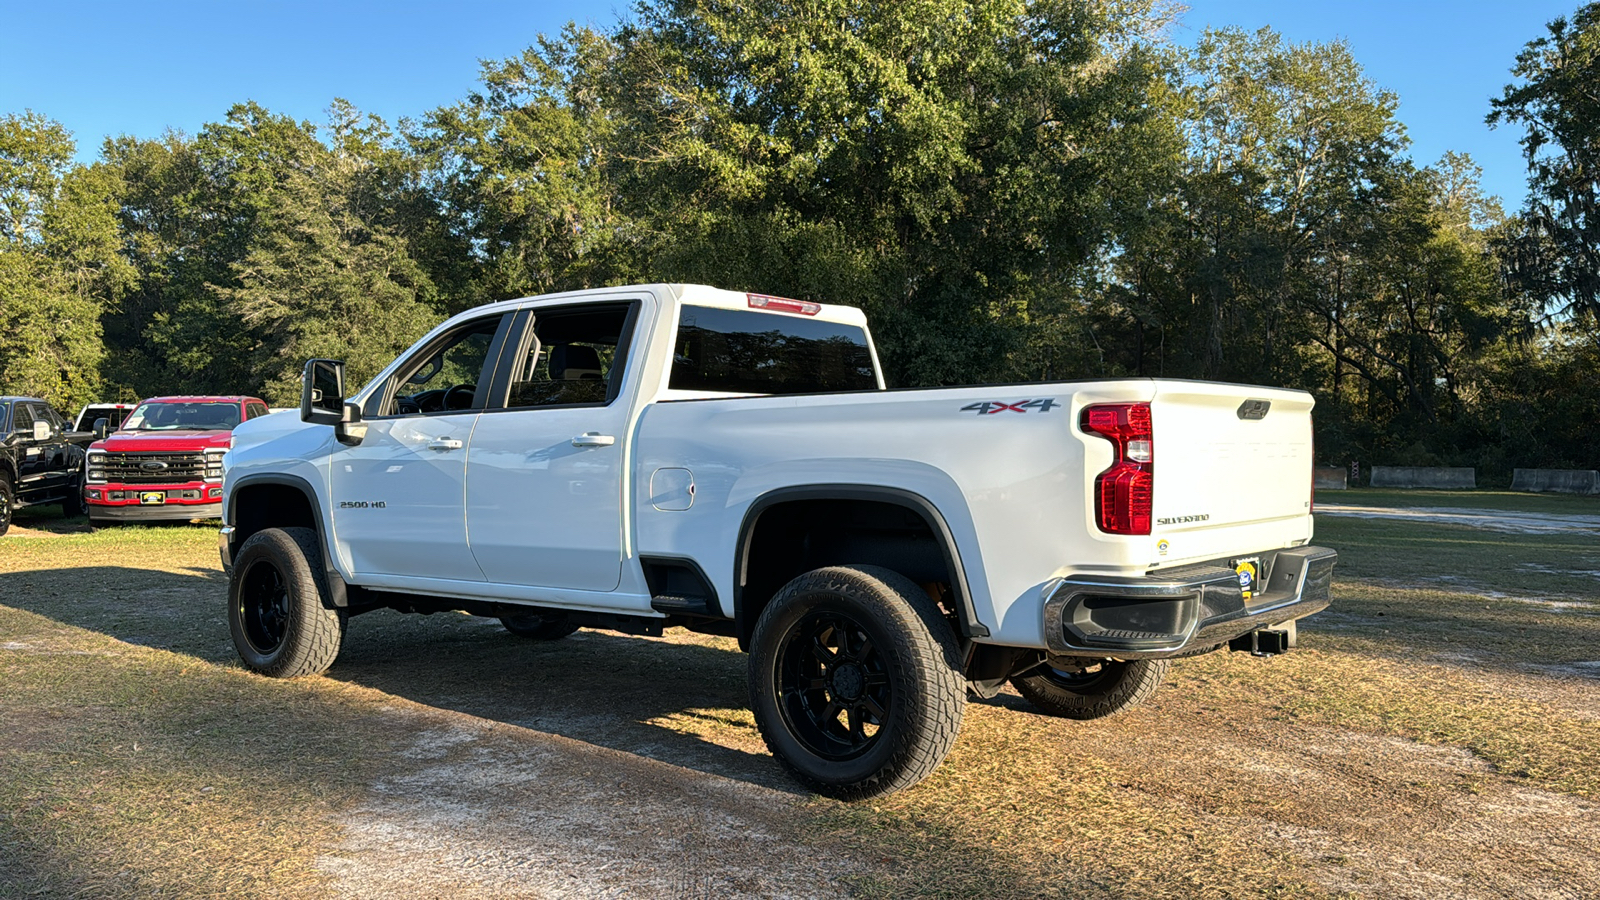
(7, 502)
(1091, 690)
(281, 624)
(855, 681)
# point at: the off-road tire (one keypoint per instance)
(904, 681)
(8, 502)
(542, 625)
(1114, 687)
(73, 505)
(278, 613)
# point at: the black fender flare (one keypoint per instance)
(337, 588)
(970, 626)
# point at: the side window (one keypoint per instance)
(255, 410)
(449, 373)
(22, 418)
(749, 352)
(572, 357)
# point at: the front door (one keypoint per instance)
(33, 456)
(545, 474)
(398, 497)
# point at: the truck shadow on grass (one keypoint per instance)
(670, 700)
(679, 700)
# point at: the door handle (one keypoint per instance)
(444, 444)
(593, 439)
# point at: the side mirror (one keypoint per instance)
(41, 431)
(322, 392)
(102, 427)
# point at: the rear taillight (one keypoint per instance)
(1123, 493)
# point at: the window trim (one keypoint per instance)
(381, 397)
(527, 320)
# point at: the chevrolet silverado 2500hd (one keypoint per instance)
(654, 456)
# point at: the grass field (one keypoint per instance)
(1438, 733)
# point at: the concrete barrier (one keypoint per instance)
(1330, 478)
(1437, 477)
(1559, 481)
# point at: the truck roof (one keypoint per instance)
(701, 294)
(200, 398)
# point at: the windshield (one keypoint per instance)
(172, 416)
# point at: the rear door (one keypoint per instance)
(545, 471)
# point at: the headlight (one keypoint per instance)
(95, 467)
(214, 464)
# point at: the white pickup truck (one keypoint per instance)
(655, 456)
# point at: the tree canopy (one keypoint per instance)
(1014, 190)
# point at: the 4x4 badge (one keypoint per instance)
(990, 407)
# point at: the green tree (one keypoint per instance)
(323, 273)
(955, 168)
(60, 266)
(520, 172)
(1285, 145)
(1557, 258)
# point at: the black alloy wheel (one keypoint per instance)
(834, 689)
(73, 505)
(263, 607)
(855, 681)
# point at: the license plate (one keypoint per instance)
(152, 498)
(1249, 572)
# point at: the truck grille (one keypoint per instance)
(152, 468)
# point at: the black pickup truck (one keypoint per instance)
(41, 460)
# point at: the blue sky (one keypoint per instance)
(128, 68)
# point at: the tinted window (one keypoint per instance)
(573, 360)
(23, 419)
(255, 410)
(767, 353)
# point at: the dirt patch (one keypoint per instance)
(495, 811)
(1370, 814)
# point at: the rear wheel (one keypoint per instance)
(277, 613)
(544, 625)
(73, 505)
(855, 681)
(1092, 689)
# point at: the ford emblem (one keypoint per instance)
(152, 465)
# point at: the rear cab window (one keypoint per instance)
(742, 352)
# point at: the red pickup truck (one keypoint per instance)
(165, 461)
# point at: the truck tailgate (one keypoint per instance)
(1232, 468)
